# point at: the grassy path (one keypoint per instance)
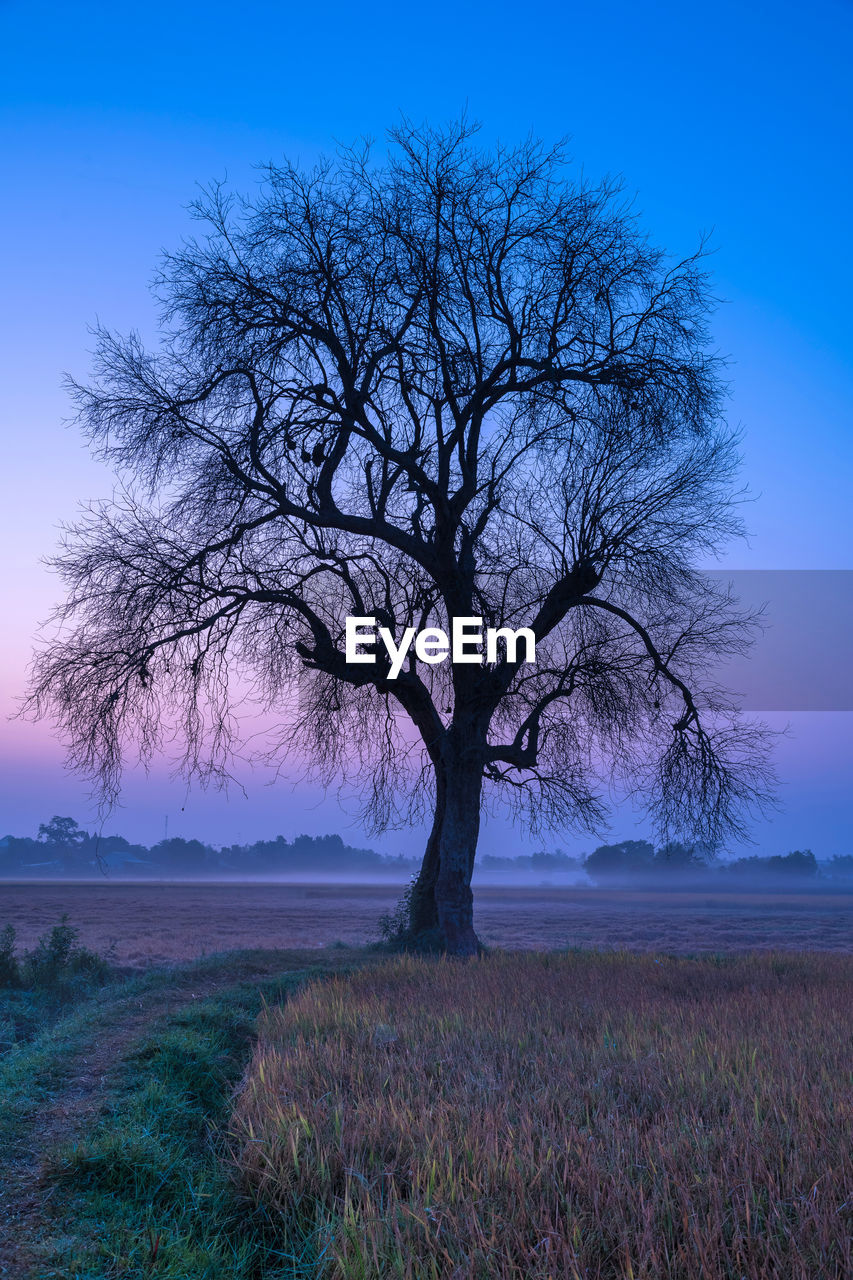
(83, 1072)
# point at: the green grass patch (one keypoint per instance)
(34, 1066)
(41, 986)
(150, 1191)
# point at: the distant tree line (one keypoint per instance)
(64, 849)
(632, 860)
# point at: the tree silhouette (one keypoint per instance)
(459, 383)
(61, 832)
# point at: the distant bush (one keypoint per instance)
(618, 860)
(541, 863)
(840, 867)
(679, 857)
(10, 970)
(638, 859)
(801, 863)
(55, 960)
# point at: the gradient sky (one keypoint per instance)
(734, 119)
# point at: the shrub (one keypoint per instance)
(395, 929)
(394, 925)
(10, 971)
(56, 959)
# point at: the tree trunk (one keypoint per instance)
(423, 911)
(457, 845)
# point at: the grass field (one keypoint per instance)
(583, 1115)
(167, 923)
(586, 1116)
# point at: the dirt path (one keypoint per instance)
(80, 1096)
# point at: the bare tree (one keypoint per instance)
(458, 383)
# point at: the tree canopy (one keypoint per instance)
(457, 382)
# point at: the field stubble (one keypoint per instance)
(595, 1117)
(167, 923)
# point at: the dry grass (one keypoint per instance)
(577, 1116)
(163, 923)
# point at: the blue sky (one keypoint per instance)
(733, 120)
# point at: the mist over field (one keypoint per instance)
(63, 850)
